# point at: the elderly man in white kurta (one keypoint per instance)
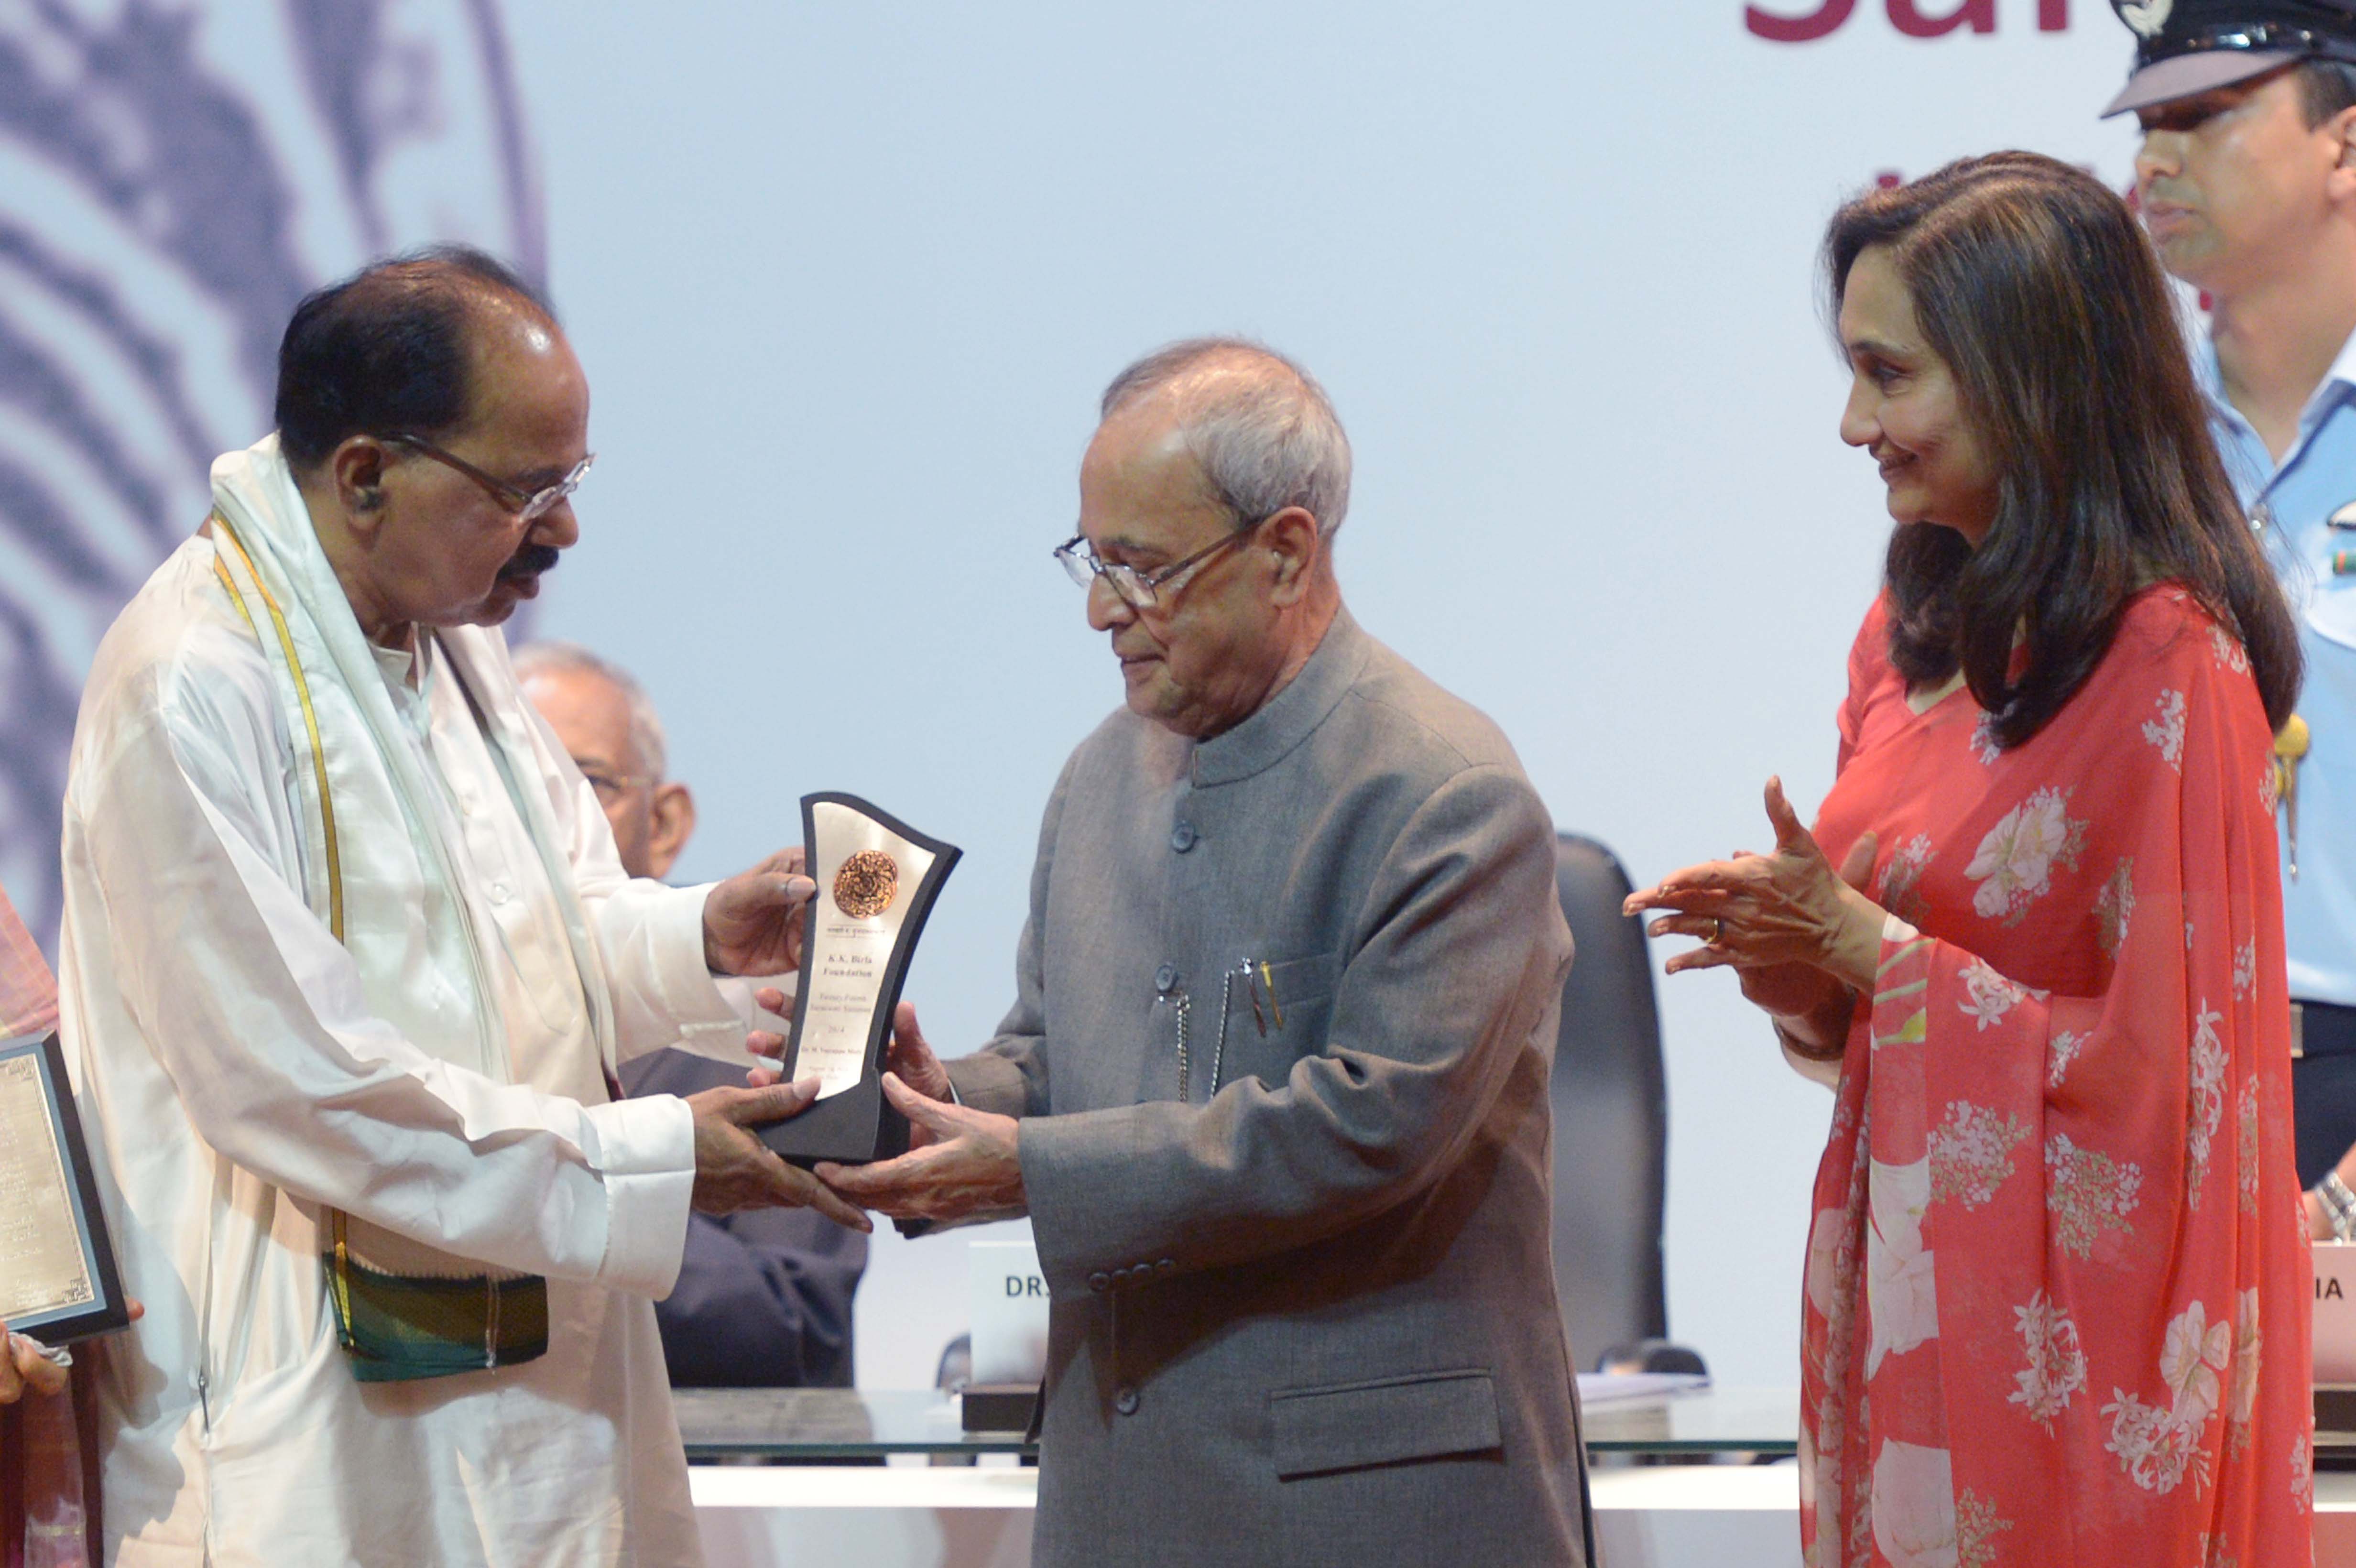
(347, 965)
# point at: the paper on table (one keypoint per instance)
(40, 1245)
(1601, 1388)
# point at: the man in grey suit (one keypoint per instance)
(1273, 1091)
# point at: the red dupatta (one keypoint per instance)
(48, 1446)
(2058, 1278)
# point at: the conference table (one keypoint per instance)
(812, 1478)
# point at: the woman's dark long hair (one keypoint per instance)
(2036, 285)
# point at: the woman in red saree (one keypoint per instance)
(2057, 1285)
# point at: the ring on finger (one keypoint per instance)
(1717, 930)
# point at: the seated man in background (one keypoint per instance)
(764, 1295)
(1273, 1091)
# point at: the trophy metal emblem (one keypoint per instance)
(863, 889)
(877, 880)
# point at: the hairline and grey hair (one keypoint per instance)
(552, 654)
(1260, 426)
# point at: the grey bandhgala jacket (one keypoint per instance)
(1304, 1311)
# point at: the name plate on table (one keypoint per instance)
(877, 878)
(57, 1280)
(2335, 1312)
(1006, 1295)
(2335, 1339)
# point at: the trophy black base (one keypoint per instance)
(998, 1407)
(854, 1127)
(2335, 1409)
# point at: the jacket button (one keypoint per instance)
(1165, 979)
(1100, 1281)
(1182, 838)
(1124, 1400)
(1167, 1265)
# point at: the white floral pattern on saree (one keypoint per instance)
(1899, 891)
(2228, 649)
(2060, 1052)
(1915, 1506)
(2114, 907)
(2056, 1362)
(1825, 1239)
(2206, 1094)
(2246, 1127)
(1971, 1153)
(1988, 995)
(2195, 1351)
(1983, 745)
(2156, 1450)
(2087, 1193)
(1976, 1528)
(2167, 732)
(2248, 1344)
(2159, 1446)
(1900, 1289)
(2015, 863)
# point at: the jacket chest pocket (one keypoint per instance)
(1277, 1011)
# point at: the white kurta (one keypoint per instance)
(240, 1074)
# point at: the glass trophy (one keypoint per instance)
(877, 878)
(58, 1279)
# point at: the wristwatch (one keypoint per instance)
(2338, 1206)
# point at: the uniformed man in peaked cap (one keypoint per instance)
(2247, 182)
(2186, 47)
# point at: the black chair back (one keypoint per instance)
(1610, 1117)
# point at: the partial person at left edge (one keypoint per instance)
(765, 1296)
(48, 1505)
(347, 964)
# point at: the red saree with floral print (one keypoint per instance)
(2058, 1278)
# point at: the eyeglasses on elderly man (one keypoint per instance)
(1141, 590)
(524, 505)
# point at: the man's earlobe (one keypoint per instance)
(672, 813)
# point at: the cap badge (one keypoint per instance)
(2146, 17)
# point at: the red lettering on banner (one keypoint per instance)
(1775, 30)
(1906, 15)
(1908, 18)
